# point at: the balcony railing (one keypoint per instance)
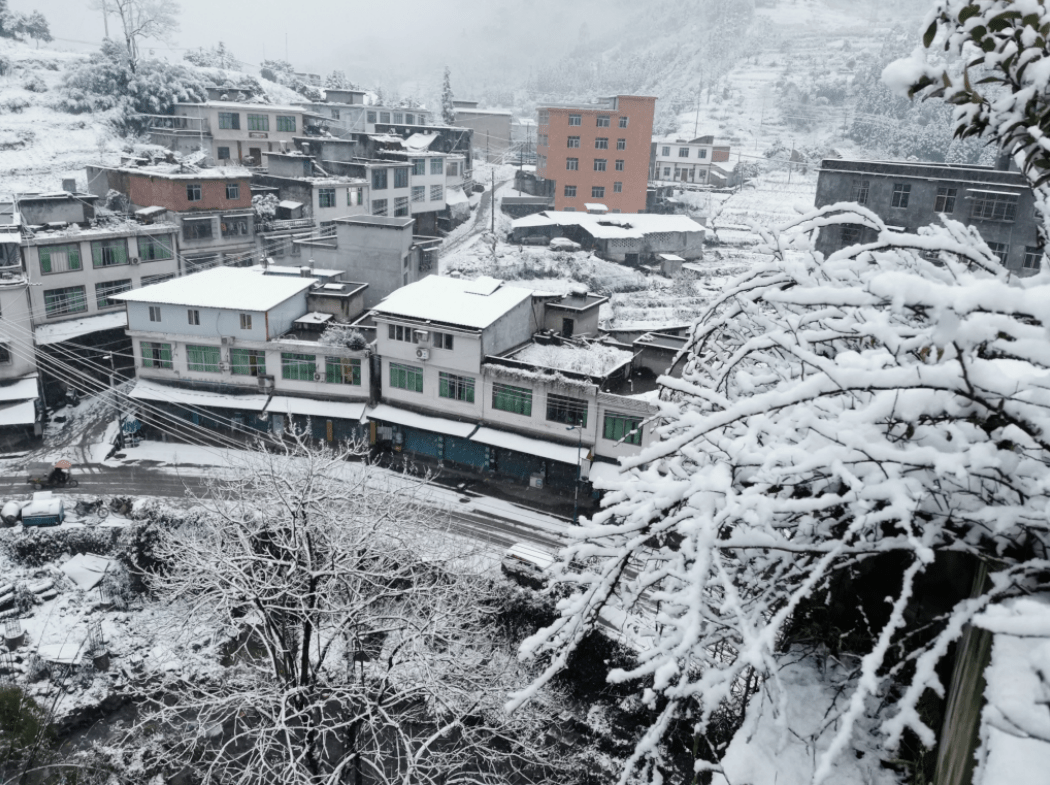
(163, 122)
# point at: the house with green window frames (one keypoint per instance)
(230, 337)
(473, 375)
(75, 272)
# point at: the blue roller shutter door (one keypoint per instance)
(518, 465)
(466, 452)
(422, 442)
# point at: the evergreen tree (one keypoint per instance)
(448, 110)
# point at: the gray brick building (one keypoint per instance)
(999, 203)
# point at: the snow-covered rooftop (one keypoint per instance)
(612, 227)
(222, 287)
(186, 172)
(436, 298)
(593, 359)
(239, 105)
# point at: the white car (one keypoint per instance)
(527, 564)
(564, 244)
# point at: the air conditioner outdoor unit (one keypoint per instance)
(224, 367)
(263, 381)
(226, 341)
(134, 260)
(422, 354)
(317, 377)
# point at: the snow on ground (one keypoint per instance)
(768, 751)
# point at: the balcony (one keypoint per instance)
(163, 123)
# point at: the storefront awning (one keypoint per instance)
(18, 414)
(20, 390)
(151, 391)
(421, 421)
(553, 451)
(311, 407)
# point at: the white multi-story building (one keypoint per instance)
(688, 161)
(235, 348)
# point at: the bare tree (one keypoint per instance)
(141, 19)
(362, 650)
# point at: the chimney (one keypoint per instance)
(69, 186)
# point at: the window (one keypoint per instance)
(1032, 258)
(401, 206)
(543, 117)
(371, 117)
(384, 117)
(59, 258)
(444, 341)
(149, 280)
(570, 190)
(193, 316)
(298, 367)
(379, 207)
(378, 179)
(617, 188)
(859, 192)
(667, 171)
(233, 191)
(246, 321)
(258, 122)
(399, 117)
(458, 388)
(354, 196)
(401, 178)
(619, 164)
(247, 362)
(419, 193)
(154, 313)
(543, 162)
(342, 370)
(202, 359)
(398, 332)
(286, 123)
(156, 355)
(406, 377)
(326, 197)
(437, 165)
(410, 118)
(516, 400)
(335, 116)
(989, 206)
(223, 153)
(230, 121)
(236, 226)
(572, 164)
(666, 151)
(850, 235)
(193, 192)
(601, 143)
(600, 164)
(683, 152)
(437, 193)
(109, 253)
(701, 153)
(196, 230)
(901, 192)
(623, 122)
(419, 166)
(622, 426)
(5, 354)
(570, 411)
(574, 141)
(575, 119)
(103, 291)
(621, 144)
(597, 191)
(1002, 250)
(945, 201)
(602, 121)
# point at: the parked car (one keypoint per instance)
(564, 244)
(11, 513)
(44, 510)
(527, 564)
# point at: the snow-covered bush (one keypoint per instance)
(343, 335)
(265, 206)
(844, 428)
(34, 84)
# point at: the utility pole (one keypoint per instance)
(791, 161)
(579, 471)
(492, 200)
(699, 92)
(105, 17)
(488, 156)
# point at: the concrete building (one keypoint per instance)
(998, 203)
(381, 251)
(211, 206)
(229, 132)
(694, 161)
(597, 153)
(633, 239)
(344, 114)
(20, 404)
(241, 350)
(470, 377)
(493, 136)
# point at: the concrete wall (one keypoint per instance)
(56, 210)
(90, 276)
(492, 132)
(144, 189)
(16, 329)
(584, 322)
(513, 328)
(242, 141)
(374, 255)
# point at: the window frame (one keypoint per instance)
(191, 229)
(619, 165)
(69, 294)
(563, 408)
(614, 422)
(419, 193)
(901, 196)
(75, 252)
(405, 377)
(602, 121)
(617, 187)
(419, 167)
(286, 123)
(944, 201)
(623, 121)
(157, 359)
(575, 119)
(103, 249)
(437, 192)
(601, 164)
(454, 387)
(259, 122)
(512, 399)
(336, 370)
(193, 317)
(148, 249)
(109, 288)
(572, 164)
(621, 144)
(573, 142)
(380, 179)
(1032, 253)
(298, 367)
(194, 192)
(601, 143)
(203, 359)
(326, 198)
(229, 121)
(156, 315)
(379, 207)
(860, 191)
(246, 321)
(401, 206)
(998, 208)
(247, 362)
(233, 191)
(597, 191)
(570, 195)
(401, 177)
(437, 165)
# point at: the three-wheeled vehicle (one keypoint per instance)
(51, 475)
(44, 510)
